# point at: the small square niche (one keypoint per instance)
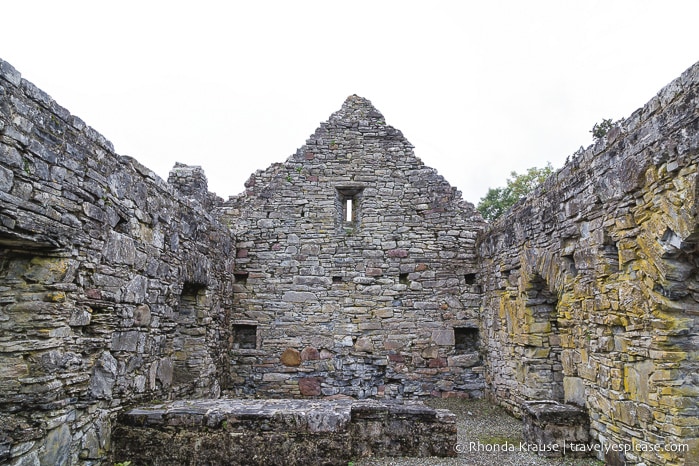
(244, 336)
(466, 339)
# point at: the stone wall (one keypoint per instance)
(355, 272)
(591, 292)
(112, 284)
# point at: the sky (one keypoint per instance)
(480, 88)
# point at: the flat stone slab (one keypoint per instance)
(283, 431)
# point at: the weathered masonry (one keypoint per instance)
(591, 292)
(282, 431)
(355, 271)
(349, 270)
(113, 285)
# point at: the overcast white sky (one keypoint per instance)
(479, 87)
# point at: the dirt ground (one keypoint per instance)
(488, 425)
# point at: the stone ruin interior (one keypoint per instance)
(153, 321)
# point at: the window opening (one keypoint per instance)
(349, 212)
(348, 205)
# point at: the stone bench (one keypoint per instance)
(554, 429)
(290, 432)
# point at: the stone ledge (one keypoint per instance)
(251, 432)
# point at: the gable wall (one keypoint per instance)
(118, 288)
(365, 308)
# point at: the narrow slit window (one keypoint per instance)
(348, 208)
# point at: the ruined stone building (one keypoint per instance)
(349, 269)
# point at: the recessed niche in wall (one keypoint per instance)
(569, 264)
(191, 300)
(470, 278)
(192, 308)
(403, 279)
(465, 339)
(610, 253)
(241, 278)
(244, 336)
(540, 372)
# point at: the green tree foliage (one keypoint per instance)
(498, 200)
(601, 129)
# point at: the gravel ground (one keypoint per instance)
(480, 421)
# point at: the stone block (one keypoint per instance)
(104, 376)
(275, 377)
(343, 340)
(80, 317)
(369, 326)
(299, 297)
(384, 313)
(310, 386)
(291, 357)
(142, 316)
(464, 360)
(636, 377)
(443, 337)
(56, 449)
(556, 429)
(125, 341)
(120, 249)
(262, 432)
(438, 362)
(309, 353)
(574, 391)
(397, 253)
(165, 371)
(364, 344)
(392, 344)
